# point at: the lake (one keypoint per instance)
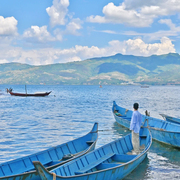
(31, 124)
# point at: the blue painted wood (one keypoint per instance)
(23, 168)
(170, 118)
(162, 131)
(104, 163)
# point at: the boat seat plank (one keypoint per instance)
(94, 164)
(143, 136)
(123, 157)
(106, 165)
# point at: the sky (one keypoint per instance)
(40, 32)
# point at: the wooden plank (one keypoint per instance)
(94, 164)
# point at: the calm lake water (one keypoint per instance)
(31, 124)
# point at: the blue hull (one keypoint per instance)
(170, 138)
(170, 119)
(112, 161)
(162, 131)
(23, 168)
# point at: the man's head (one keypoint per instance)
(136, 106)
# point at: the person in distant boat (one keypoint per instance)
(135, 126)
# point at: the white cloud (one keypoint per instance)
(57, 12)
(173, 32)
(58, 34)
(41, 34)
(119, 14)
(136, 13)
(151, 36)
(169, 23)
(2, 61)
(36, 33)
(8, 26)
(165, 7)
(50, 56)
(109, 31)
(139, 48)
(73, 26)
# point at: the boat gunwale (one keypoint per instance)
(171, 119)
(162, 130)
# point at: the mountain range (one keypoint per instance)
(113, 70)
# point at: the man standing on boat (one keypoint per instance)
(135, 126)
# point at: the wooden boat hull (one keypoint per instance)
(170, 138)
(162, 131)
(109, 162)
(170, 119)
(23, 168)
(36, 94)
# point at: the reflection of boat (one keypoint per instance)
(26, 94)
(170, 119)
(23, 168)
(111, 161)
(163, 131)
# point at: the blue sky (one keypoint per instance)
(40, 32)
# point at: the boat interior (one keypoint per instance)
(50, 157)
(115, 154)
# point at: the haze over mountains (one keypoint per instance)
(113, 70)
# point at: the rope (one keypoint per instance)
(54, 176)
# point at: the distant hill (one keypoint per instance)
(118, 70)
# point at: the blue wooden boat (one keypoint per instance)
(109, 162)
(23, 168)
(170, 118)
(162, 131)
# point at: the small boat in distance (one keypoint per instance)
(144, 86)
(23, 168)
(26, 94)
(170, 118)
(110, 162)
